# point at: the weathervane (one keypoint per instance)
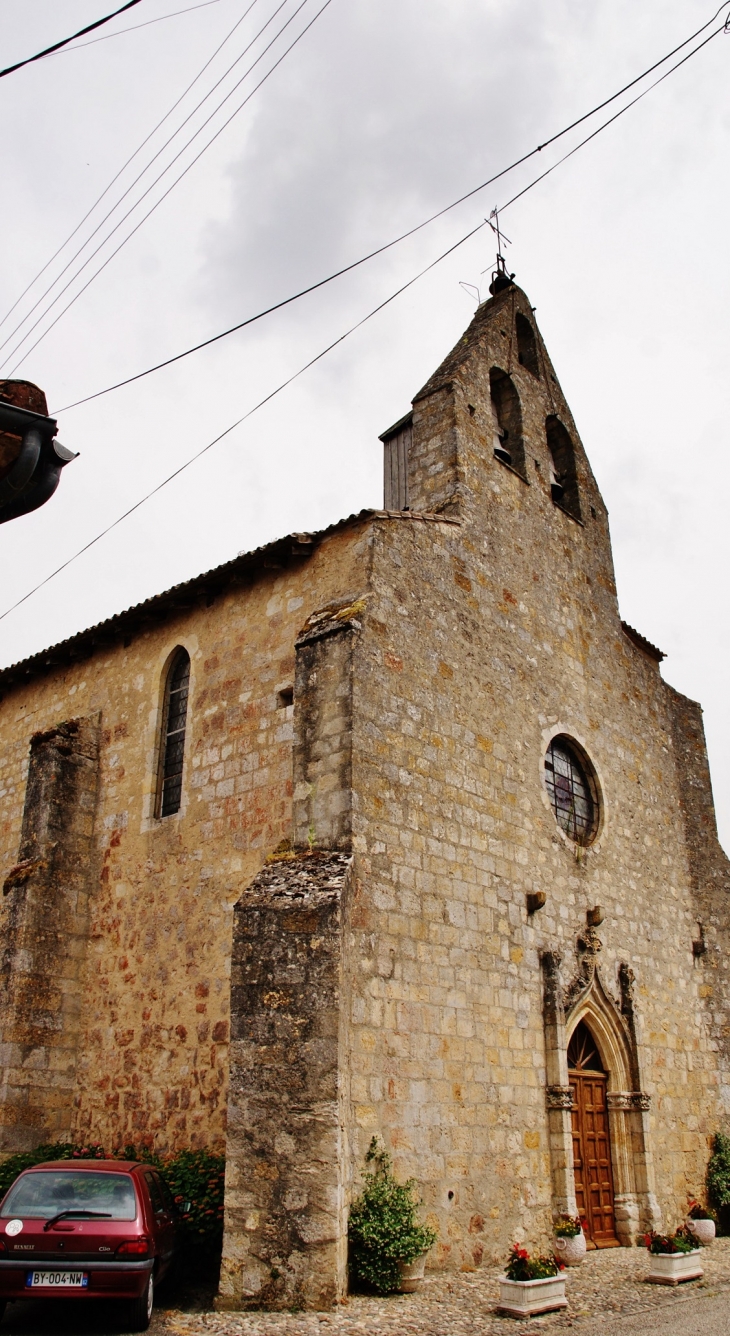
(501, 279)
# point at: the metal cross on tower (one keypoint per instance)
(500, 278)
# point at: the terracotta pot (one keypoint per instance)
(411, 1275)
(570, 1250)
(673, 1268)
(523, 1298)
(703, 1230)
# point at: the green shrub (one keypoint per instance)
(198, 1177)
(384, 1230)
(55, 1150)
(718, 1172)
(194, 1176)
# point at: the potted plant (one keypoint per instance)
(701, 1222)
(387, 1242)
(570, 1241)
(531, 1284)
(673, 1257)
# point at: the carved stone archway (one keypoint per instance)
(612, 1025)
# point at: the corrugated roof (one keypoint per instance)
(179, 597)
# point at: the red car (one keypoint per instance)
(88, 1229)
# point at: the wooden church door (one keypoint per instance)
(591, 1142)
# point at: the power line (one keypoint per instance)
(165, 170)
(57, 45)
(136, 26)
(342, 337)
(725, 28)
(123, 169)
(267, 399)
(145, 169)
(538, 149)
(380, 250)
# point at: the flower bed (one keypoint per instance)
(531, 1285)
(673, 1258)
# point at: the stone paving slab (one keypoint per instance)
(608, 1284)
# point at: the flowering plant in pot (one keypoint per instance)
(701, 1221)
(387, 1242)
(570, 1241)
(673, 1257)
(531, 1284)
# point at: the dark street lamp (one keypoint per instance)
(30, 458)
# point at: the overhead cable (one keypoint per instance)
(538, 149)
(221, 436)
(267, 399)
(123, 169)
(49, 50)
(725, 28)
(164, 172)
(151, 187)
(135, 27)
(380, 250)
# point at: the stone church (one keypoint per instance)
(390, 829)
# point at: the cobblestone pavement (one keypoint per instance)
(607, 1294)
(608, 1285)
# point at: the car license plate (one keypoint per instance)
(56, 1280)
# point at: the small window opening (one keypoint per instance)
(284, 698)
(572, 790)
(508, 443)
(174, 723)
(526, 345)
(563, 480)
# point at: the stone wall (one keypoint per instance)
(152, 1056)
(709, 870)
(482, 641)
(286, 1156)
(322, 744)
(47, 895)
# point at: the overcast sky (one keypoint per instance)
(385, 111)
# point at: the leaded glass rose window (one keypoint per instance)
(572, 790)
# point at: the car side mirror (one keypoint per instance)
(184, 1207)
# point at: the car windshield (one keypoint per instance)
(48, 1192)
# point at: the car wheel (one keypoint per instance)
(140, 1310)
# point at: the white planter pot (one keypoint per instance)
(704, 1230)
(570, 1250)
(524, 1298)
(673, 1268)
(411, 1274)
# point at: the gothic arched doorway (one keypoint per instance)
(591, 1140)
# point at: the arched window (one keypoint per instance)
(563, 480)
(172, 740)
(508, 444)
(526, 344)
(572, 790)
(583, 1056)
